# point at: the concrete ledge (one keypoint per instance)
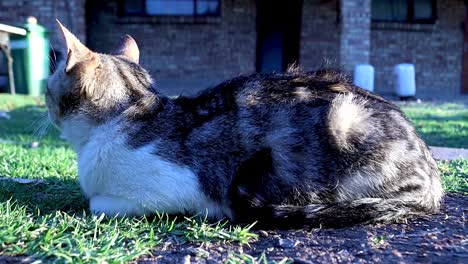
(441, 153)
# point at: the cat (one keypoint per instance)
(286, 149)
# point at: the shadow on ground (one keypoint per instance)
(48, 195)
(28, 124)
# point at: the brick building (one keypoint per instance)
(190, 44)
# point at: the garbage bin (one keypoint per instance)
(405, 80)
(31, 59)
(364, 76)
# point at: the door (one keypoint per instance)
(278, 34)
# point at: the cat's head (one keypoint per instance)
(95, 86)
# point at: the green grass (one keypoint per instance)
(77, 238)
(444, 125)
(455, 175)
(47, 218)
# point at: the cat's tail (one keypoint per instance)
(340, 214)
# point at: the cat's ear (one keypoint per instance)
(128, 47)
(75, 50)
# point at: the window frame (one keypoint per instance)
(144, 13)
(410, 17)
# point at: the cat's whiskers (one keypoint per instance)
(53, 60)
(42, 125)
(34, 126)
(45, 127)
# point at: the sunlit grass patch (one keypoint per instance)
(81, 238)
(444, 125)
(455, 175)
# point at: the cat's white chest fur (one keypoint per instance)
(121, 180)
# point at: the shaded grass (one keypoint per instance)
(28, 121)
(48, 218)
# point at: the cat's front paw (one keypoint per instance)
(114, 206)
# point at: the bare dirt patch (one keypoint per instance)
(440, 238)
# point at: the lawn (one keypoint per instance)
(444, 125)
(43, 214)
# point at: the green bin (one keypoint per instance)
(31, 59)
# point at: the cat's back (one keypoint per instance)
(291, 88)
(320, 106)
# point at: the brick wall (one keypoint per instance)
(71, 13)
(184, 55)
(435, 50)
(333, 39)
(355, 18)
(320, 35)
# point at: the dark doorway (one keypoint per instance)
(465, 54)
(278, 34)
(95, 12)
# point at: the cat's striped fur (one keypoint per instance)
(286, 149)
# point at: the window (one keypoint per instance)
(405, 11)
(171, 7)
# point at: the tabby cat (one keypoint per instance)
(290, 149)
